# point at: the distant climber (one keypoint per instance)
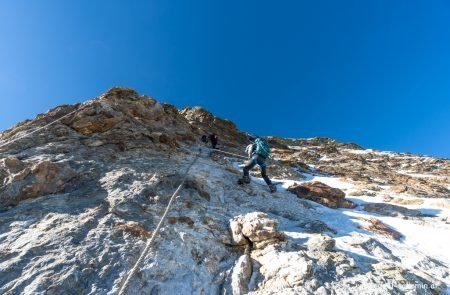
(214, 139)
(257, 152)
(204, 138)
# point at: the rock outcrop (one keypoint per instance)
(405, 173)
(377, 249)
(256, 229)
(241, 275)
(207, 123)
(42, 178)
(378, 227)
(322, 193)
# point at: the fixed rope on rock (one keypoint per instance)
(239, 156)
(45, 126)
(158, 228)
(228, 153)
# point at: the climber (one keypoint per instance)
(214, 139)
(204, 138)
(257, 152)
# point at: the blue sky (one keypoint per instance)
(372, 72)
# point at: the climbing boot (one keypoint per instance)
(273, 188)
(245, 179)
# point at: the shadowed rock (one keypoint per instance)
(377, 249)
(379, 227)
(391, 210)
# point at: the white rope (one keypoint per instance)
(240, 156)
(43, 127)
(228, 153)
(155, 233)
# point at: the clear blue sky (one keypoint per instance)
(372, 72)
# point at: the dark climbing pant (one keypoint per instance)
(214, 141)
(257, 159)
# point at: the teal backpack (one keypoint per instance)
(262, 148)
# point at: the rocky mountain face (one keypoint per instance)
(79, 200)
(406, 173)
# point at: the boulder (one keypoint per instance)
(256, 228)
(321, 193)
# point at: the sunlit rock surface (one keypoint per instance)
(79, 200)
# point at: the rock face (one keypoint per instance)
(241, 274)
(405, 173)
(45, 177)
(79, 200)
(322, 193)
(208, 123)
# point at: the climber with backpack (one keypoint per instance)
(258, 152)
